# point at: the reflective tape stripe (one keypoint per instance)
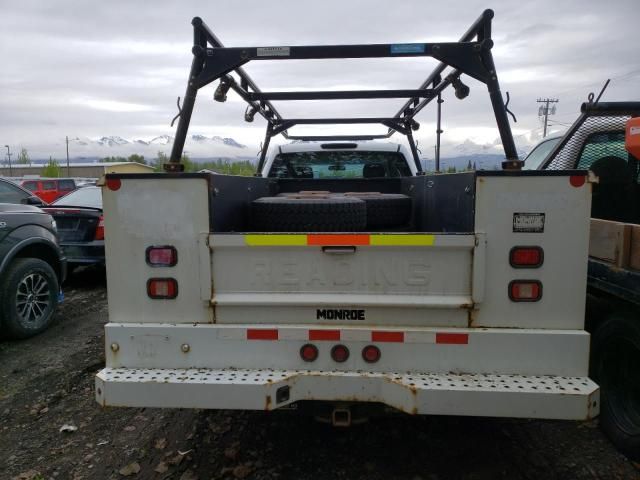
(402, 240)
(275, 240)
(324, 335)
(262, 334)
(419, 337)
(355, 335)
(293, 334)
(377, 336)
(336, 335)
(452, 338)
(232, 333)
(329, 239)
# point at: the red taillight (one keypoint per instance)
(113, 184)
(100, 229)
(577, 180)
(309, 352)
(525, 290)
(526, 257)
(159, 288)
(340, 353)
(371, 354)
(165, 256)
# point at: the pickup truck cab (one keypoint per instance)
(49, 189)
(339, 160)
(600, 140)
(540, 152)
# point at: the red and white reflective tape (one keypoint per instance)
(337, 335)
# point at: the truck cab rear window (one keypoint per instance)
(600, 145)
(339, 164)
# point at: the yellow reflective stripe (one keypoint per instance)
(402, 240)
(275, 240)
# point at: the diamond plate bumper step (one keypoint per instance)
(553, 397)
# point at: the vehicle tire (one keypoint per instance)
(29, 297)
(385, 210)
(308, 214)
(615, 364)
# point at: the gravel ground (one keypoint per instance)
(47, 382)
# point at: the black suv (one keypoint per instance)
(12, 193)
(32, 268)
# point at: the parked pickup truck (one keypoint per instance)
(342, 275)
(606, 140)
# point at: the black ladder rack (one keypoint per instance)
(471, 56)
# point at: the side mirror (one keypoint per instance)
(33, 200)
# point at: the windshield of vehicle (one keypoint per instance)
(539, 153)
(83, 197)
(339, 164)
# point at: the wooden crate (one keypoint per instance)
(610, 241)
(634, 254)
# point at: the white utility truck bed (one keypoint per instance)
(342, 274)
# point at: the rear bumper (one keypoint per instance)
(444, 371)
(524, 396)
(84, 253)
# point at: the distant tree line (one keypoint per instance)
(220, 165)
(131, 158)
(226, 166)
(246, 168)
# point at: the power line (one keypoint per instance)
(545, 111)
(623, 76)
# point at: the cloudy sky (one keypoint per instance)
(100, 68)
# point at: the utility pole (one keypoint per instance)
(544, 111)
(438, 132)
(9, 156)
(67, 138)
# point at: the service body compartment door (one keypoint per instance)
(377, 279)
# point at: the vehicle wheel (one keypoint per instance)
(385, 210)
(614, 366)
(29, 297)
(308, 214)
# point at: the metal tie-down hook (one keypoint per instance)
(179, 112)
(506, 107)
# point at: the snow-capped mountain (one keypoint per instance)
(199, 146)
(469, 147)
(232, 143)
(162, 140)
(196, 146)
(79, 141)
(111, 141)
